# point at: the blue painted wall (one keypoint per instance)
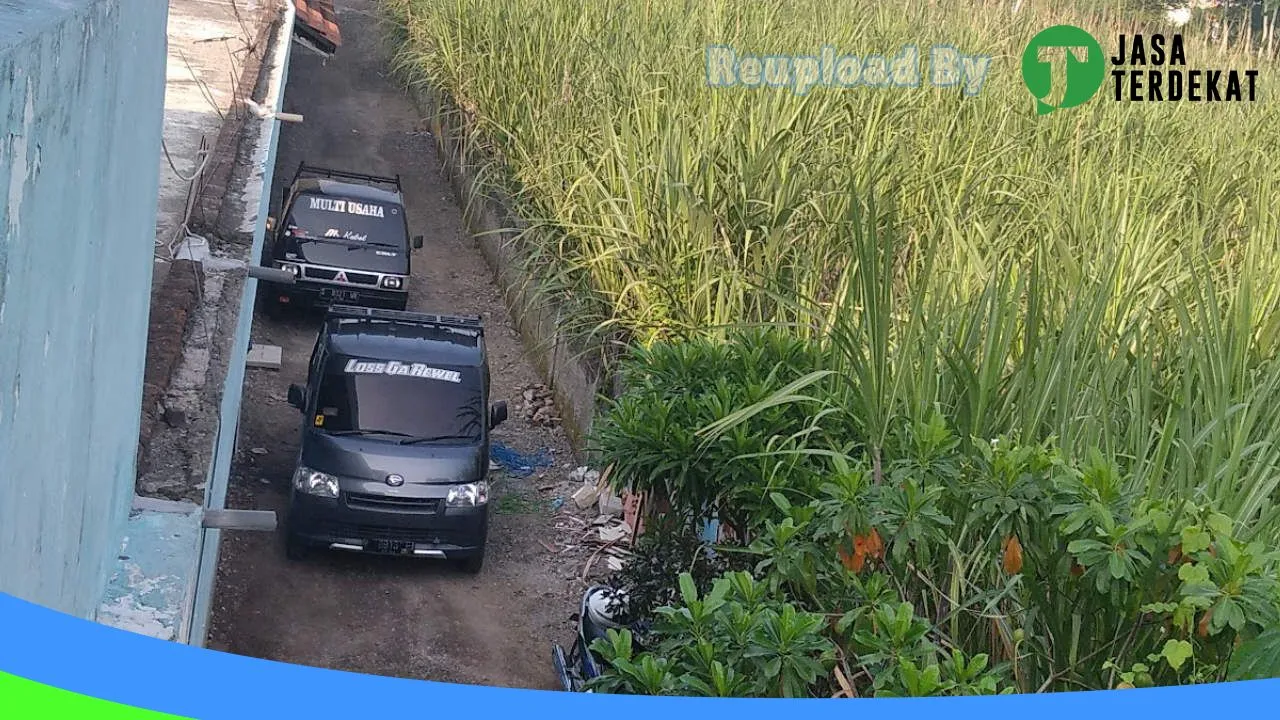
(81, 112)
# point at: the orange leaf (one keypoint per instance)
(859, 558)
(846, 558)
(1203, 630)
(874, 544)
(1012, 555)
(1175, 554)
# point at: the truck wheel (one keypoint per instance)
(473, 564)
(274, 309)
(295, 548)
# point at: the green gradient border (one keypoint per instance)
(21, 699)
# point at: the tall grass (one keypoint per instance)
(1106, 274)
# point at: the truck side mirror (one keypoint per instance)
(497, 414)
(417, 242)
(298, 396)
(271, 224)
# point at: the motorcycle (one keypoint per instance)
(595, 617)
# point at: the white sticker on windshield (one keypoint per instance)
(345, 235)
(347, 206)
(417, 370)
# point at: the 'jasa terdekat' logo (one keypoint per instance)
(1064, 66)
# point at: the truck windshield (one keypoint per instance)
(404, 399)
(340, 218)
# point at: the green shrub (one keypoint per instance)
(1066, 571)
(659, 557)
(1017, 552)
(651, 435)
(740, 640)
(733, 642)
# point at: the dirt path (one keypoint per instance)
(392, 617)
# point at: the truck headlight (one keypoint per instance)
(291, 268)
(469, 495)
(392, 283)
(314, 482)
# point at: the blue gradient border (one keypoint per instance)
(102, 662)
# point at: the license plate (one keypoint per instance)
(340, 295)
(391, 547)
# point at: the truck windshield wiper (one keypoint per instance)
(357, 244)
(332, 241)
(434, 438)
(408, 439)
(373, 432)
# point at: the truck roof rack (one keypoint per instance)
(366, 314)
(316, 171)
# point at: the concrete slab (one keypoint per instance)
(264, 356)
(150, 590)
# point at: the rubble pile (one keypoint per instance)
(539, 407)
(610, 533)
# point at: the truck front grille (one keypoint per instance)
(353, 278)
(361, 501)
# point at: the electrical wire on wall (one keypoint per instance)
(196, 177)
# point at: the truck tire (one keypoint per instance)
(473, 564)
(267, 291)
(271, 305)
(294, 548)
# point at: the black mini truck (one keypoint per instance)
(344, 238)
(394, 456)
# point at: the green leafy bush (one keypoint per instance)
(651, 435)
(1049, 564)
(1057, 572)
(735, 641)
(740, 640)
(659, 557)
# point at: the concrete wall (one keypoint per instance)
(249, 217)
(81, 103)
